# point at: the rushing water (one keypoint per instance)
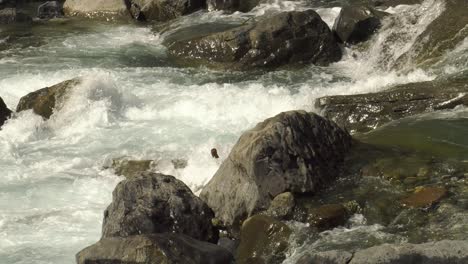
(135, 103)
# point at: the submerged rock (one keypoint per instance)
(363, 112)
(164, 10)
(288, 38)
(294, 151)
(5, 113)
(263, 240)
(166, 248)
(232, 5)
(47, 100)
(356, 24)
(155, 203)
(424, 197)
(328, 216)
(446, 251)
(108, 9)
(131, 168)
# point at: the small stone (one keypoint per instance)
(328, 216)
(282, 206)
(424, 197)
(179, 163)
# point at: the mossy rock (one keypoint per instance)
(263, 240)
(47, 100)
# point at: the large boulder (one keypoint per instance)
(440, 252)
(356, 24)
(233, 5)
(294, 151)
(156, 203)
(47, 100)
(164, 10)
(287, 38)
(108, 9)
(5, 113)
(363, 112)
(164, 248)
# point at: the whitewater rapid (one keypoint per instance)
(53, 186)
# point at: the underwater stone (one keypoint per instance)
(424, 197)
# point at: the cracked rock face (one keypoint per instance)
(288, 38)
(294, 151)
(364, 112)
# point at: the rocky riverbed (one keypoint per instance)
(240, 131)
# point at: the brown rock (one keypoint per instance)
(328, 216)
(424, 197)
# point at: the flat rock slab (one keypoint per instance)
(364, 112)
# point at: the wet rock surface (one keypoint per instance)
(165, 248)
(47, 100)
(424, 197)
(108, 9)
(49, 10)
(5, 113)
(294, 151)
(263, 240)
(288, 38)
(356, 24)
(328, 216)
(282, 206)
(364, 112)
(164, 10)
(155, 203)
(232, 5)
(444, 34)
(131, 168)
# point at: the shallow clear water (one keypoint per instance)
(134, 102)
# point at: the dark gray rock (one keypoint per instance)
(50, 9)
(164, 248)
(294, 151)
(364, 112)
(45, 101)
(288, 38)
(232, 5)
(5, 113)
(156, 203)
(164, 10)
(356, 24)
